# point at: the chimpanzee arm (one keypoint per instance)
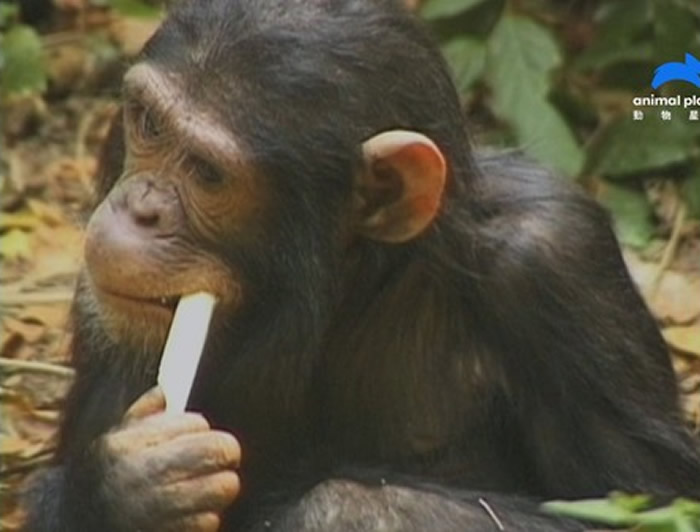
(64, 497)
(122, 463)
(588, 372)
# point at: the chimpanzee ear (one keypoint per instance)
(399, 191)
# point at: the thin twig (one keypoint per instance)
(34, 298)
(36, 367)
(491, 513)
(671, 247)
(43, 458)
(53, 40)
(80, 148)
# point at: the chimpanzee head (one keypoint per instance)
(264, 149)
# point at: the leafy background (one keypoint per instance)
(558, 79)
(554, 78)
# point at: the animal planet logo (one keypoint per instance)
(674, 71)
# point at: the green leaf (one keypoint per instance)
(669, 518)
(623, 20)
(467, 58)
(624, 510)
(600, 510)
(687, 507)
(7, 13)
(434, 9)
(15, 245)
(521, 55)
(135, 8)
(633, 503)
(691, 5)
(599, 56)
(674, 30)
(628, 146)
(632, 215)
(477, 23)
(23, 69)
(690, 192)
(621, 25)
(542, 133)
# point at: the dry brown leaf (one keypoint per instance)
(51, 416)
(58, 251)
(19, 220)
(12, 445)
(13, 381)
(12, 521)
(37, 432)
(676, 300)
(74, 5)
(681, 365)
(68, 179)
(690, 384)
(67, 67)
(31, 332)
(14, 346)
(691, 406)
(52, 316)
(49, 214)
(9, 342)
(61, 349)
(33, 450)
(131, 33)
(684, 339)
(26, 351)
(15, 245)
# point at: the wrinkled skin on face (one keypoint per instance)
(184, 190)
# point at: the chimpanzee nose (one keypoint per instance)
(143, 203)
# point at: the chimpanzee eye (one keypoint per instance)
(146, 123)
(149, 126)
(206, 171)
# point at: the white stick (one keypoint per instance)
(183, 348)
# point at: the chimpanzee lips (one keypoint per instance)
(166, 302)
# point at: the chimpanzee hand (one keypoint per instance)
(167, 471)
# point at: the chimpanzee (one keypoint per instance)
(407, 337)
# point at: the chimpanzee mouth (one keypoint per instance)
(167, 303)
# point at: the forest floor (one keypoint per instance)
(50, 152)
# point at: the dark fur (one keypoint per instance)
(505, 350)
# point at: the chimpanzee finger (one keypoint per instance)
(151, 402)
(155, 430)
(210, 493)
(204, 522)
(191, 455)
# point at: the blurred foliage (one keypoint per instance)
(633, 213)
(22, 67)
(632, 511)
(21, 62)
(132, 8)
(558, 79)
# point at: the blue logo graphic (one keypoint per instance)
(688, 71)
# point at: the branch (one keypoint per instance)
(36, 367)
